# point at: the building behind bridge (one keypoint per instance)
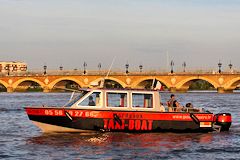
(12, 66)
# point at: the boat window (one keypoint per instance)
(142, 100)
(116, 99)
(92, 100)
(77, 97)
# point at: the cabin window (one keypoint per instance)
(92, 100)
(76, 98)
(141, 100)
(116, 99)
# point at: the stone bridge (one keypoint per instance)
(176, 82)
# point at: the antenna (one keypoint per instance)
(153, 83)
(111, 66)
(71, 96)
(102, 81)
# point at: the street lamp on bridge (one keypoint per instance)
(84, 67)
(127, 66)
(219, 67)
(184, 66)
(61, 68)
(172, 64)
(8, 69)
(45, 69)
(140, 67)
(99, 66)
(230, 65)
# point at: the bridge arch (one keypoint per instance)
(123, 85)
(232, 84)
(17, 83)
(52, 84)
(3, 86)
(136, 83)
(185, 83)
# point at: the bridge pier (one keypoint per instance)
(46, 89)
(10, 89)
(222, 90)
(173, 89)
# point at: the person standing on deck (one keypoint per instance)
(173, 105)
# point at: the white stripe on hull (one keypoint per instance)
(53, 128)
(206, 125)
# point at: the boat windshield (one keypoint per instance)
(76, 98)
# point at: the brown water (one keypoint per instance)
(20, 139)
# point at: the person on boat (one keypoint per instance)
(190, 108)
(91, 101)
(173, 105)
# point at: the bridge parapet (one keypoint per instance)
(114, 72)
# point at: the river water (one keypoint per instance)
(20, 139)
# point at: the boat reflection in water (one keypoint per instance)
(103, 142)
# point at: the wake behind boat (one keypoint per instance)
(123, 111)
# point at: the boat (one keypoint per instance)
(123, 110)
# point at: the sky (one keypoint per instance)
(148, 32)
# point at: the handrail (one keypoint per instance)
(186, 109)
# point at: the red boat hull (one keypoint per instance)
(79, 120)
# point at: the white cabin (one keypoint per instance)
(119, 100)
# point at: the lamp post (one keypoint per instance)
(140, 67)
(99, 66)
(14, 68)
(8, 69)
(219, 67)
(184, 66)
(61, 68)
(127, 66)
(84, 67)
(45, 69)
(230, 65)
(172, 64)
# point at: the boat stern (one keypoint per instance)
(224, 120)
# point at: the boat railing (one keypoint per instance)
(185, 109)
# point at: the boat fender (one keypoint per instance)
(68, 115)
(117, 119)
(194, 118)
